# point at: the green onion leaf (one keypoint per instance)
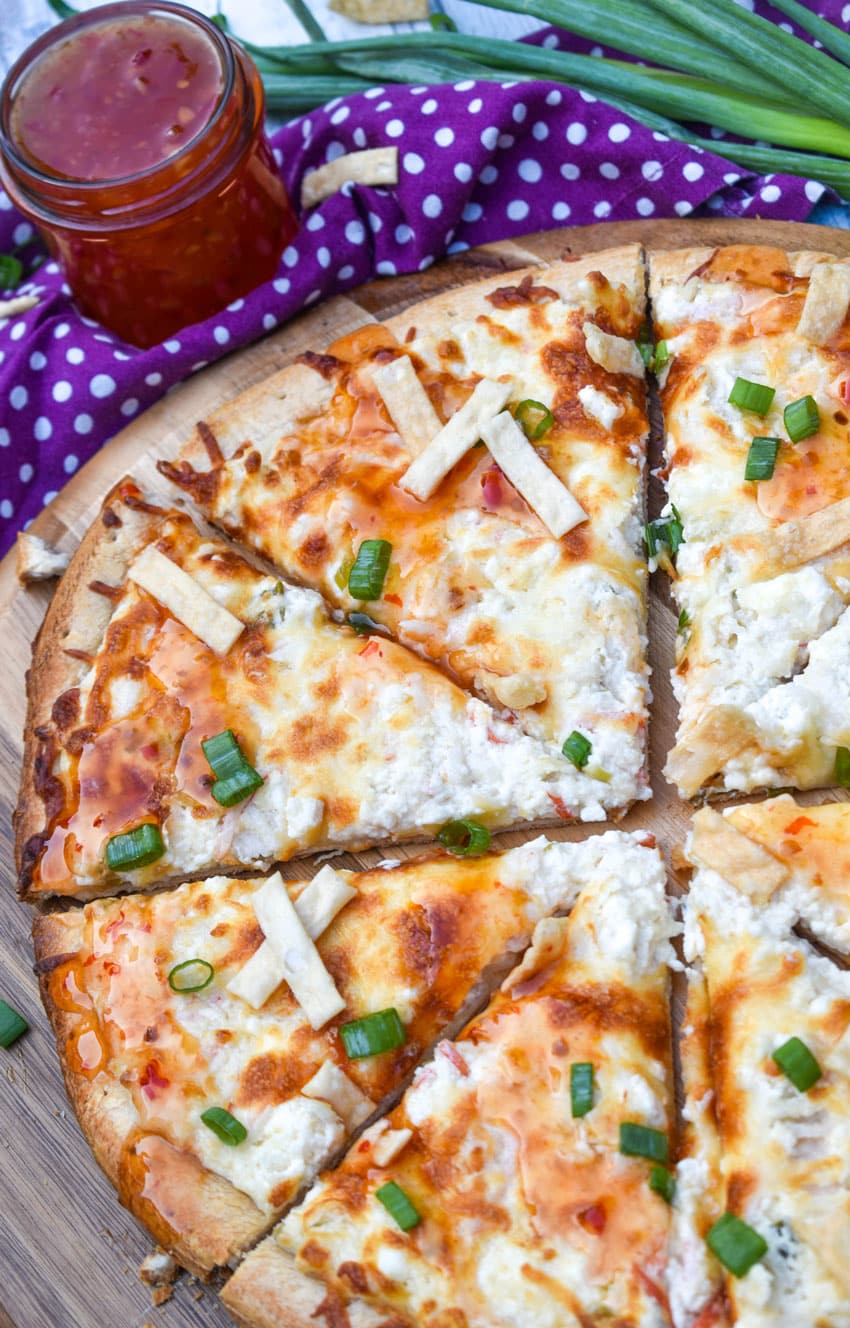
(798, 1064)
(802, 419)
(534, 418)
(342, 573)
(398, 1205)
(191, 975)
(369, 569)
(664, 534)
(235, 779)
(11, 271)
(373, 1034)
(661, 356)
(137, 848)
(442, 23)
(643, 1141)
(761, 459)
(12, 1025)
(577, 748)
(842, 767)
(228, 1129)
(735, 1244)
(684, 621)
(581, 1087)
(364, 625)
(756, 397)
(465, 838)
(663, 1182)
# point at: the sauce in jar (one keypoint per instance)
(133, 136)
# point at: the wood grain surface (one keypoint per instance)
(70, 1253)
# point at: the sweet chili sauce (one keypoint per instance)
(132, 135)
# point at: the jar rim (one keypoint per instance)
(90, 18)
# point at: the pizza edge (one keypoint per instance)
(226, 1220)
(269, 1291)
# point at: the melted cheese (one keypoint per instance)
(615, 354)
(528, 1214)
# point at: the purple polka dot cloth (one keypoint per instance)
(478, 162)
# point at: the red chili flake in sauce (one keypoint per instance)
(560, 806)
(797, 825)
(593, 1219)
(151, 1081)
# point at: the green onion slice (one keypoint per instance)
(11, 271)
(136, 848)
(577, 748)
(12, 1025)
(364, 625)
(646, 350)
(663, 1182)
(665, 533)
(661, 356)
(398, 1205)
(369, 569)
(373, 1034)
(442, 23)
(842, 767)
(643, 1141)
(534, 418)
(684, 621)
(735, 1244)
(761, 459)
(581, 1087)
(802, 419)
(227, 1127)
(235, 779)
(465, 838)
(191, 975)
(798, 1064)
(757, 397)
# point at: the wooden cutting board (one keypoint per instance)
(70, 1253)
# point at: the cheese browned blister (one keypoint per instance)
(528, 1215)
(143, 1059)
(775, 1155)
(763, 578)
(357, 740)
(519, 565)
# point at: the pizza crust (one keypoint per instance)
(269, 1291)
(212, 1221)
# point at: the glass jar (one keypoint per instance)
(132, 135)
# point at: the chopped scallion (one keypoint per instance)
(534, 418)
(364, 625)
(581, 1087)
(798, 1064)
(665, 534)
(643, 1141)
(757, 397)
(684, 621)
(12, 1025)
(761, 459)
(663, 1182)
(842, 767)
(646, 349)
(661, 356)
(373, 1034)
(442, 23)
(802, 419)
(398, 1205)
(577, 748)
(369, 569)
(466, 838)
(191, 975)
(235, 779)
(735, 1244)
(228, 1129)
(137, 848)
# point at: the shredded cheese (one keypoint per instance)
(189, 602)
(527, 471)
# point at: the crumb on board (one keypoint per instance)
(159, 1268)
(37, 561)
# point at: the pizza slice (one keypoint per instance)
(754, 366)
(523, 1178)
(190, 713)
(763, 1226)
(470, 475)
(222, 1041)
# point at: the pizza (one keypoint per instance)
(763, 1209)
(168, 660)
(523, 1178)
(753, 376)
(491, 442)
(214, 997)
